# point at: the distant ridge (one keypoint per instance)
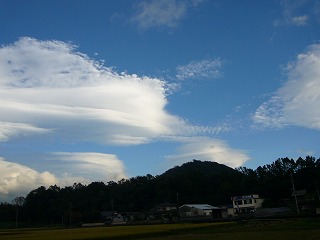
(206, 167)
(201, 182)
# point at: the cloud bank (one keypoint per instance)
(18, 179)
(297, 101)
(84, 167)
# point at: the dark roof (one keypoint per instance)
(165, 204)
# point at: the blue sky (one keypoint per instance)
(105, 90)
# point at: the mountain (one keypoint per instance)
(200, 182)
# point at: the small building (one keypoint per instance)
(227, 211)
(197, 210)
(163, 212)
(113, 218)
(165, 206)
(246, 203)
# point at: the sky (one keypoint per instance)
(105, 90)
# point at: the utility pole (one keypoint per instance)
(18, 202)
(17, 215)
(112, 205)
(317, 190)
(295, 195)
(178, 203)
(70, 215)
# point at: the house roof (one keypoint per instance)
(200, 206)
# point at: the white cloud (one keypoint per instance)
(18, 179)
(204, 69)
(46, 85)
(162, 13)
(291, 13)
(207, 149)
(64, 93)
(157, 13)
(9, 130)
(300, 20)
(297, 101)
(270, 114)
(105, 167)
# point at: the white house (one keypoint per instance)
(246, 203)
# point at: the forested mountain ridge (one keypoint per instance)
(201, 182)
(192, 182)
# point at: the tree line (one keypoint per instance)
(193, 182)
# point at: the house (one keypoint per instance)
(197, 210)
(227, 211)
(165, 206)
(113, 218)
(246, 203)
(163, 212)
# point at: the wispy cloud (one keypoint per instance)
(270, 114)
(162, 13)
(292, 13)
(300, 20)
(159, 13)
(10, 129)
(204, 69)
(207, 149)
(298, 101)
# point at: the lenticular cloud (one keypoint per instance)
(49, 86)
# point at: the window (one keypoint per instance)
(238, 202)
(247, 201)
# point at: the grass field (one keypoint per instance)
(304, 229)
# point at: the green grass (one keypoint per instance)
(295, 229)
